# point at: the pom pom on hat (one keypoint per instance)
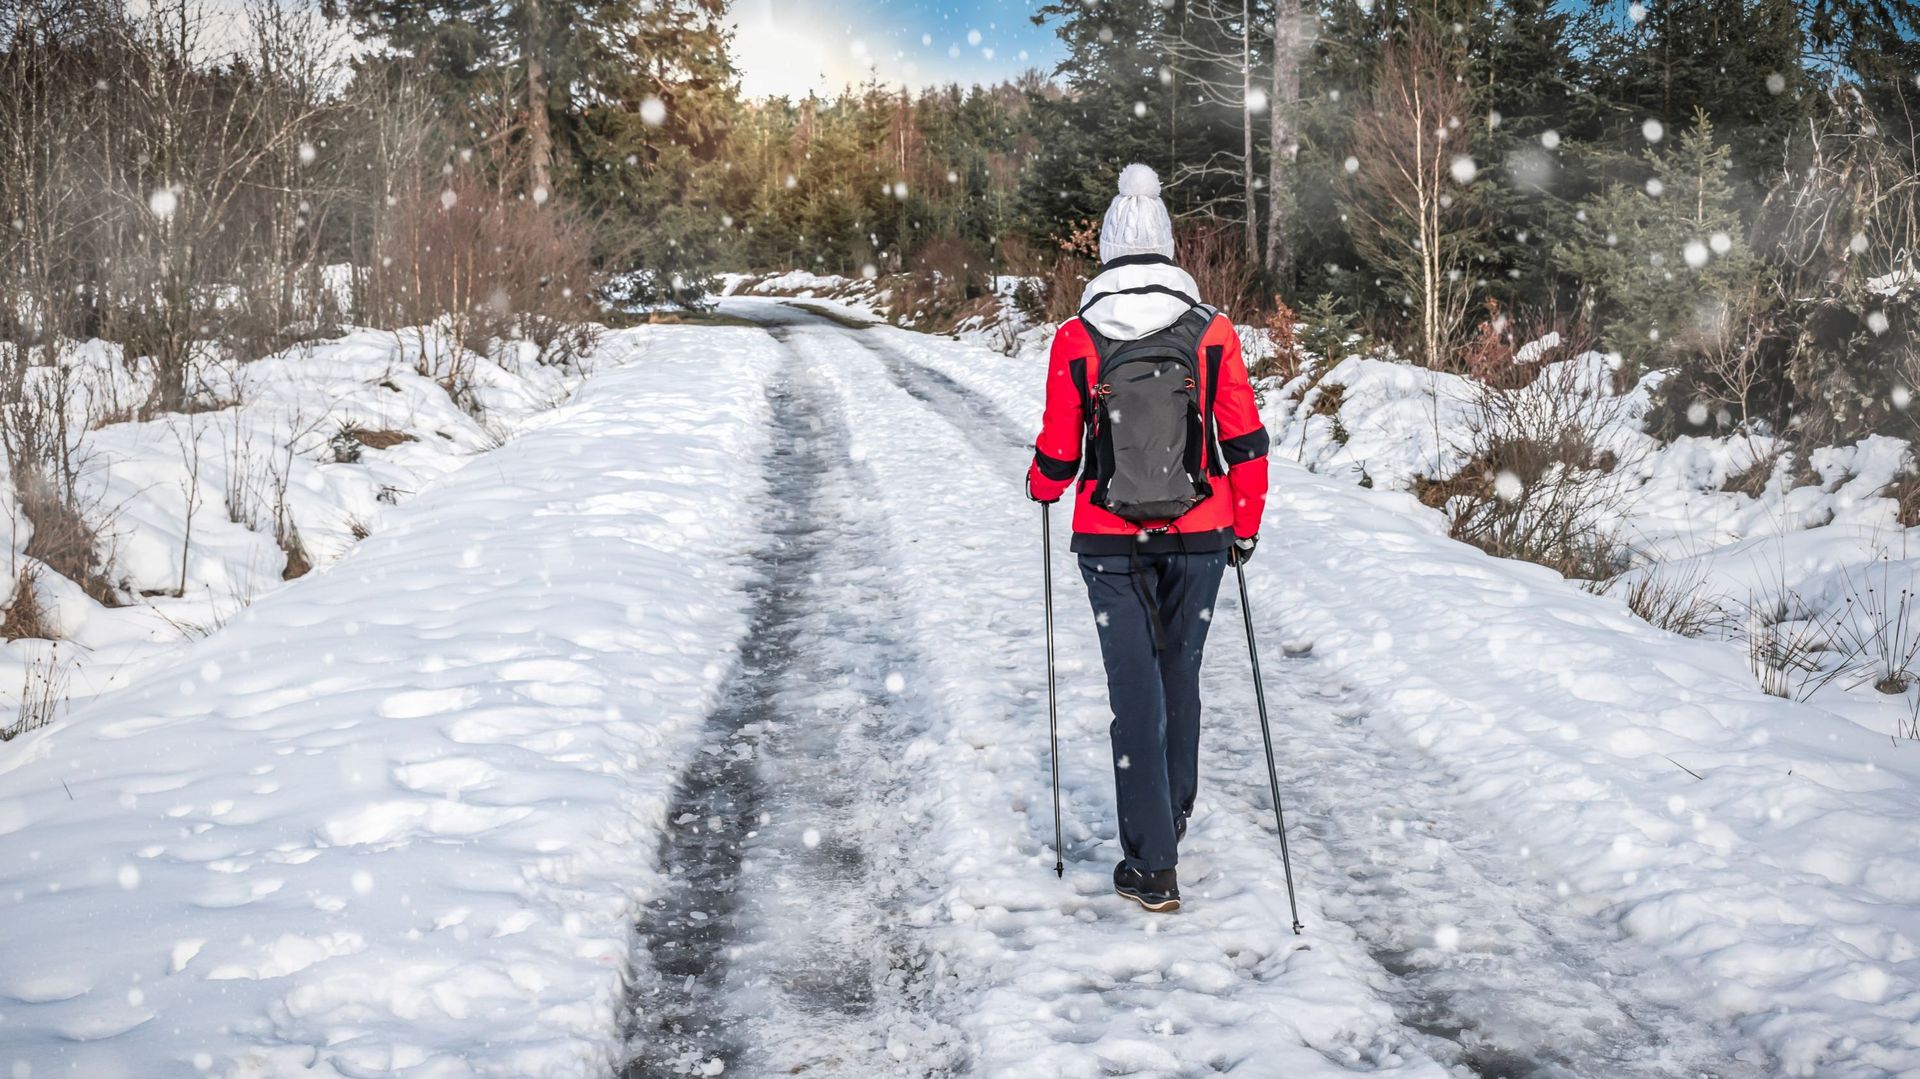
(1138, 180)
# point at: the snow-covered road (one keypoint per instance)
(705, 733)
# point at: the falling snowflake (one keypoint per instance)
(811, 838)
(1877, 322)
(1139, 108)
(1653, 130)
(973, 38)
(1507, 486)
(163, 202)
(1720, 242)
(1637, 11)
(1776, 83)
(1447, 938)
(1464, 169)
(308, 153)
(1655, 187)
(448, 199)
(896, 682)
(1550, 139)
(1353, 164)
(1257, 101)
(653, 112)
(1695, 253)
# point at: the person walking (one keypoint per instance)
(1149, 407)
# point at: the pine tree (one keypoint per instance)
(1119, 107)
(649, 140)
(1666, 256)
(504, 66)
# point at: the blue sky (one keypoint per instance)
(791, 46)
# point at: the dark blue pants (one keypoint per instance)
(1153, 686)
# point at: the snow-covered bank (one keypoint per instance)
(397, 816)
(288, 462)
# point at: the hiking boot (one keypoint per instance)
(1158, 892)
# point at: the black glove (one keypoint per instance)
(1242, 551)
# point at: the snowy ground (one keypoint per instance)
(695, 733)
(315, 445)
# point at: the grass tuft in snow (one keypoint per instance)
(42, 696)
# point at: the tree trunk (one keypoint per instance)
(1246, 129)
(1286, 141)
(539, 132)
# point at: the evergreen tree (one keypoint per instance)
(1665, 257)
(1119, 107)
(503, 66)
(649, 142)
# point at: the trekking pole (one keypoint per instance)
(1053, 707)
(1266, 735)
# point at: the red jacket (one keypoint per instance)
(1238, 498)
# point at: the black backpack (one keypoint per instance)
(1147, 428)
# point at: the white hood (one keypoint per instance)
(1129, 318)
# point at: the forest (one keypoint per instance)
(1726, 190)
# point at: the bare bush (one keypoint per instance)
(1675, 603)
(1786, 644)
(1283, 331)
(1508, 350)
(25, 618)
(1218, 258)
(1415, 210)
(945, 275)
(1541, 485)
(43, 693)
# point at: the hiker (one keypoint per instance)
(1149, 405)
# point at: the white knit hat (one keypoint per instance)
(1137, 222)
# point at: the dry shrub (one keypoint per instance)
(299, 563)
(1675, 603)
(1785, 647)
(1216, 254)
(493, 268)
(25, 618)
(1066, 278)
(1752, 480)
(1509, 350)
(379, 440)
(1905, 493)
(1283, 330)
(42, 692)
(1328, 399)
(62, 537)
(946, 273)
(1540, 487)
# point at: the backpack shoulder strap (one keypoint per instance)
(1215, 358)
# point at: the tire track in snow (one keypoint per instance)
(777, 949)
(1501, 977)
(1523, 987)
